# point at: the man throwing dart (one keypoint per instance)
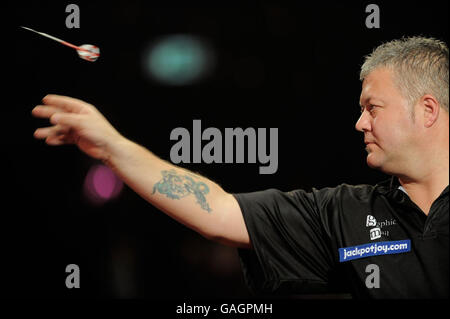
(388, 240)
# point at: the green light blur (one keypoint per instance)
(178, 60)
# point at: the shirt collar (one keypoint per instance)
(392, 184)
(388, 185)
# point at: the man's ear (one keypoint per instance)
(431, 108)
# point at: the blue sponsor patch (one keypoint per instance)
(374, 249)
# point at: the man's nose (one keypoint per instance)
(363, 123)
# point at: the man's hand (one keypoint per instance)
(76, 122)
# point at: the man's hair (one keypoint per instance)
(420, 66)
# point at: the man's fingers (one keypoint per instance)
(56, 130)
(56, 140)
(66, 119)
(66, 103)
(44, 111)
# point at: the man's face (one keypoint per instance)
(389, 130)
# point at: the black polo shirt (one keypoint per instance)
(369, 241)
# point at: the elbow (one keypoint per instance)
(213, 237)
(230, 242)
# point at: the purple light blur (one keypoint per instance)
(101, 185)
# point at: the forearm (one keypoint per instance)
(189, 198)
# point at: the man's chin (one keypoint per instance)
(378, 164)
(372, 162)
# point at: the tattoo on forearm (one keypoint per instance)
(177, 186)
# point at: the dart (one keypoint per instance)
(87, 52)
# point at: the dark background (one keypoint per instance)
(293, 65)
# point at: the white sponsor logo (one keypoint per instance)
(371, 221)
(376, 227)
(375, 233)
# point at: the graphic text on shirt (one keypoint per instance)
(376, 232)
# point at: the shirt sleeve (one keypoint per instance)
(289, 232)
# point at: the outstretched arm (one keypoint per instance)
(193, 200)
